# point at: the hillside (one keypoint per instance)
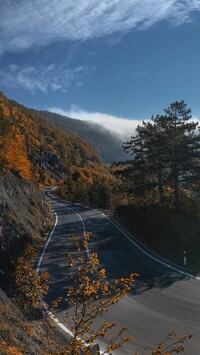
(36, 151)
(24, 215)
(32, 154)
(17, 335)
(108, 145)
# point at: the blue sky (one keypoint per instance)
(114, 62)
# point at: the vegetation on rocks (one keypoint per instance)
(24, 217)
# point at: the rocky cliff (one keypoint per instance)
(24, 215)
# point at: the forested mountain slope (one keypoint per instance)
(108, 145)
(36, 151)
(32, 154)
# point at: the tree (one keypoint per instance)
(15, 154)
(156, 148)
(32, 286)
(32, 289)
(170, 345)
(138, 166)
(88, 185)
(181, 146)
(166, 154)
(90, 296)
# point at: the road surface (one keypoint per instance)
(163, 299)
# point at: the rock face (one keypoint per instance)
(17, 335)
(23, 211)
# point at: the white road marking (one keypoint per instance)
(51, 315)
(47, 243)
(144, 251)
(138, 246)
(56, 320)
(83, 224)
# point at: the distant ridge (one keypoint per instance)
(108, 145)
(35, 150)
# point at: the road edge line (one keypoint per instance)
(52, 316)
(143, 250)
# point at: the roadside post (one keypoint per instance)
(184, 258)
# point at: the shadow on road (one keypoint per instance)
(116, 253)
(160, 281)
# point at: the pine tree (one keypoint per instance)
(183, 155)
(137, 168)
(166, 155)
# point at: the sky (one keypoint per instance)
(113, 62)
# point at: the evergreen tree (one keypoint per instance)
(166, 155)
(137, 168)
(183, 156)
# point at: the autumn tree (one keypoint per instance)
(90, 296)
(88, 185)
(32, 289)
(16, 155)
(169, 346)
(32, 286)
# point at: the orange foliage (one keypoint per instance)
(9, 350)
(24, 134)
(5, 110)
(90, 297)
(32, 286)
(16, 155)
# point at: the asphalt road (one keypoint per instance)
(163, 299)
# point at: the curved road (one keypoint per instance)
(163, 298)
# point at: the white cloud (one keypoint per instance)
(42, 78)
(24, 24)
(123, 127)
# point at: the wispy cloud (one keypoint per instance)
(42, 78)
(120, 126)
(139, 74)
(24, 24)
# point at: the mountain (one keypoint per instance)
(35, 150)
(32, 154)
(108, 145)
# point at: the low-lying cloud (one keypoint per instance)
(37, 23)
(122, 127)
